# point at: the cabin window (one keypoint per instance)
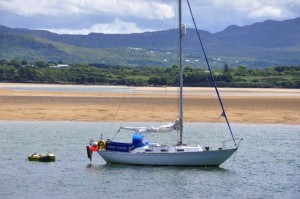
(180, 149)
(164, 150)
(148, 150)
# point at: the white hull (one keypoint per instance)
(198, 158)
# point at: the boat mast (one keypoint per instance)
(181, 34)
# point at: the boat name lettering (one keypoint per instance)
(122, 148)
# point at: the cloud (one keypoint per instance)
(30, 7)
(267, 11)
(261, 8)
(143, 9)
(215, 15)
(115, 16)
(116, 27)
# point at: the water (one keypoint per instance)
(67, 88)
(267, 165)
(140, 90)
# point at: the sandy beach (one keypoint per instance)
(269, 106)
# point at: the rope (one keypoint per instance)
(128, 105)
(212, 77)
(236, 151)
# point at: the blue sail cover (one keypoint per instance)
(138, 141)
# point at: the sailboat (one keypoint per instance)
(142, 152)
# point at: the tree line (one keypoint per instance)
(49, 72)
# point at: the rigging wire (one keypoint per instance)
(236, 152)
(110, 124)
(223, 113)
(163, 110)
(164, 105)
(114, 120)
(158, 28)
(125, 113)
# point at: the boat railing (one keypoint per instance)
(219, 145)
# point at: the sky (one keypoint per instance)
(136, 16)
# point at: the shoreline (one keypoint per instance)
(150, 104)
(77, 88)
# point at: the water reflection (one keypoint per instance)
(105, 166)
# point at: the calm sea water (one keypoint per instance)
(267, 165)
(68, 88)
(126, 89)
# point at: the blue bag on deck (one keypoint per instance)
(138, 141)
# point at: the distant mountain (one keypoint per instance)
(258, 45)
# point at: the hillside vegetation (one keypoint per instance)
(258, 45)
(43, 72)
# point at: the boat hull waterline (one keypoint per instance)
(200, 158)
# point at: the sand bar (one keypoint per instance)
(270, 106)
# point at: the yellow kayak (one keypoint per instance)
(42, 157)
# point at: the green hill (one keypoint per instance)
(259, 45)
